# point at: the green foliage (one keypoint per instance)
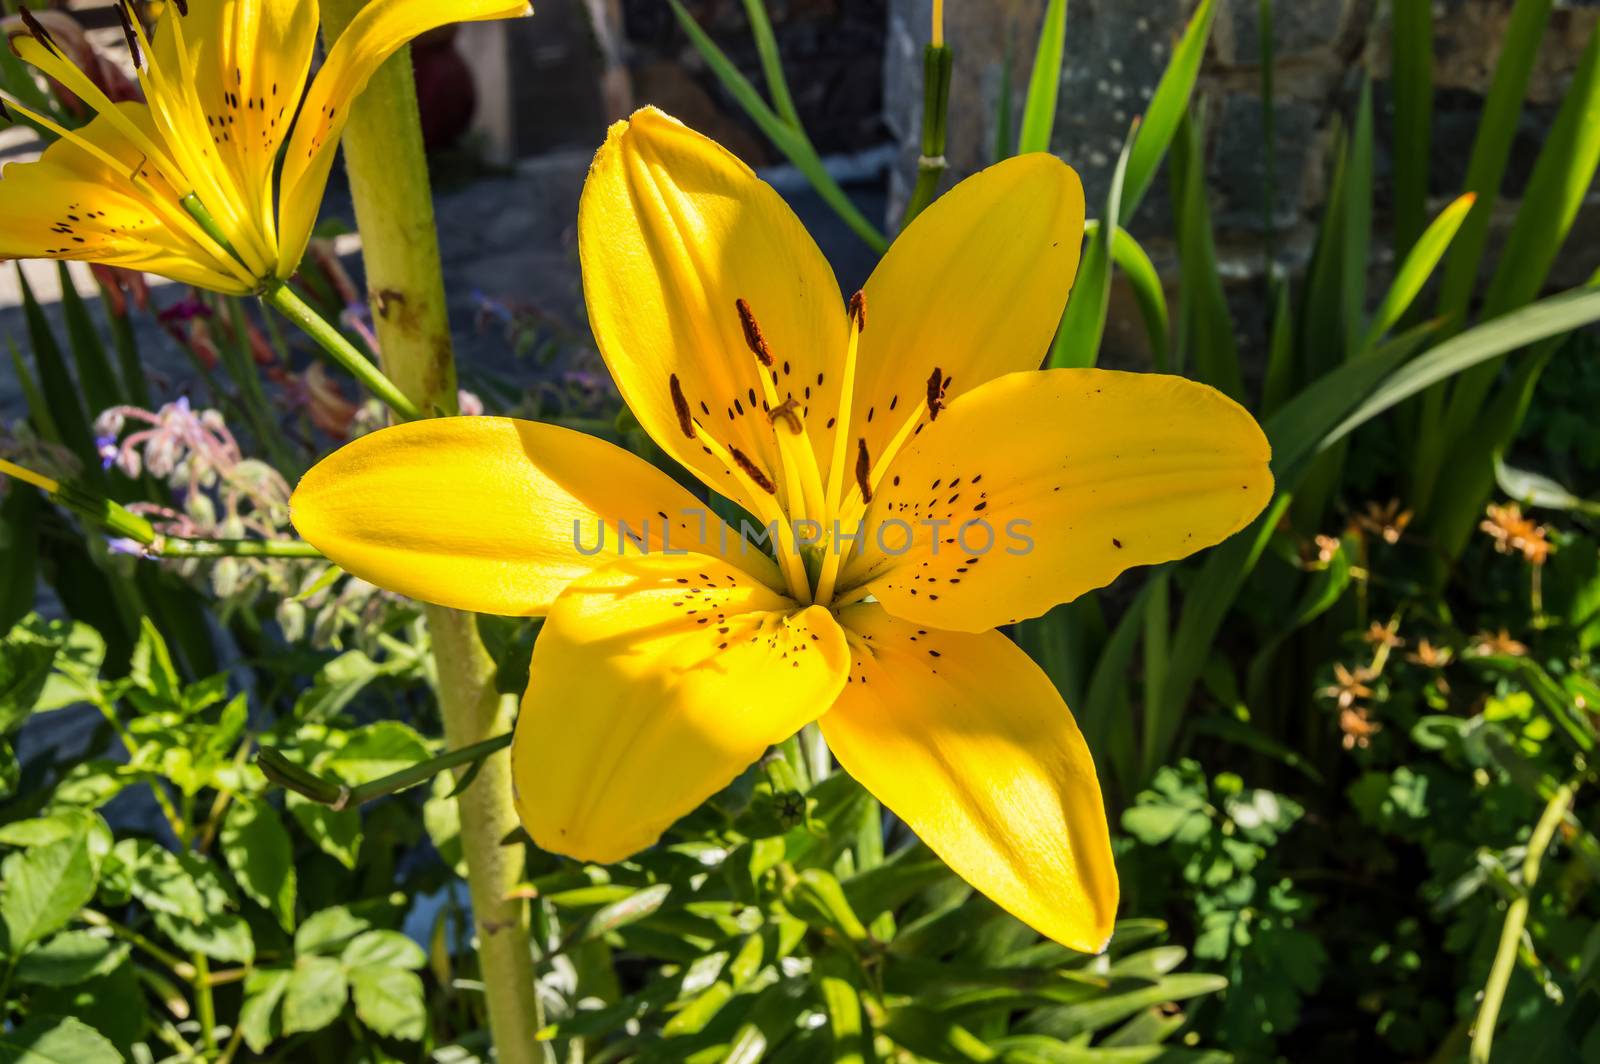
(1210, 847)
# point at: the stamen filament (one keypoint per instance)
(767, 509)
(854, 506)
(832, 556)
(794, 466)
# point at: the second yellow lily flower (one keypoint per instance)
(186, 185)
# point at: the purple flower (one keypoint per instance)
(106, 447)
(124, 545)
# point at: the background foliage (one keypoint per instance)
(1346, 753)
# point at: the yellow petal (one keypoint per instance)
(654, 682)
(974, 288)
(381, 28)
(672, 231)
(967, 741)
(496, 515)
(250, 59)
(77, 201)
(1050, 483)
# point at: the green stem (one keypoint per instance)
(936, 64)
(1505, 955)
(394, 212)
(286, 774)
(168, 547)
(284, 299)
(204, 1004)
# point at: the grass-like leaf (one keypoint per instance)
(1039, 109)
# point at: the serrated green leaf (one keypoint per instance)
(42, 888)
(329, 931)
(260, 1021)
(53, 1040)
(315, 995)
(383, 949)
(70, 958)
(390, 1001)
(258, 850)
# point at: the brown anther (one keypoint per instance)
(858, 311)
(183, 7)
(863, 470)
(40, 34)
(936, 386)
(131, 37)
(681, 405)
(787, 410)
(752, 333)
(753, 471)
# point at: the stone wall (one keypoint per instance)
(1117, 49)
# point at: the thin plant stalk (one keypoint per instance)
(931, 163)
(394, 212)
(287, 302)
(1505, 955)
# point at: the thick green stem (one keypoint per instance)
(283, 298)
(394, 212)
(1505, 956)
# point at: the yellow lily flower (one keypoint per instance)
(184, 185)
(670, 661)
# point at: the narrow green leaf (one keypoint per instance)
(1101, 716)
(851, 1035)
(1561, 179)
(1207, 323)
(1279, 378)
(101, 389)
(771, 62)
(1169, 105)
(1412, 37)
(1419, 264)
(1004, 148)
(631, 909)
(1077, 341)
(1039, 107)
(1157, 621)
(1148, 290)
(60, 391)
(1356, 214)
(1491, 148)
(1548, 317)
(1536, 489)
(792, 142)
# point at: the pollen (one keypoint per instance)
(753, 471)
(863, 470)
(681, 406)
(858, 313)
(752, 333)
(937, 383)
